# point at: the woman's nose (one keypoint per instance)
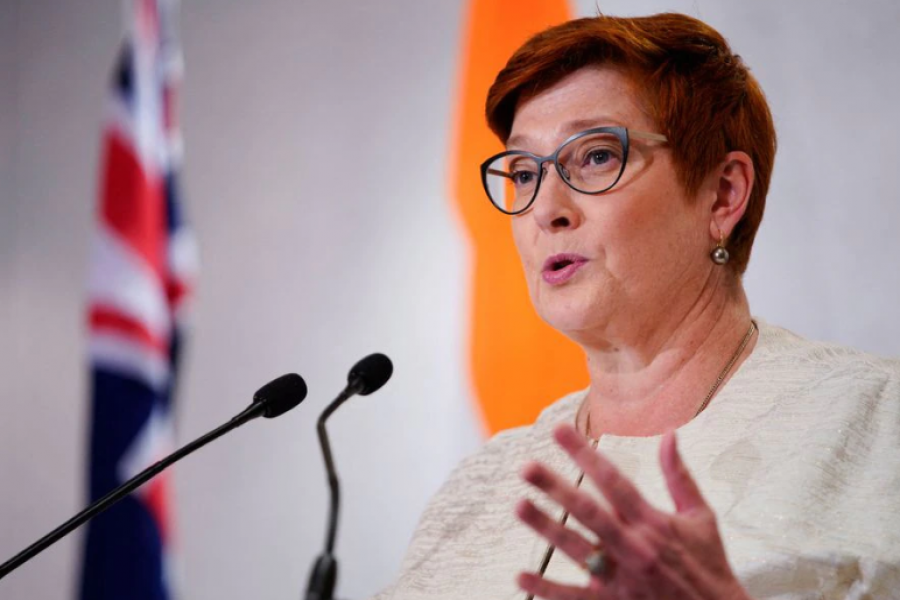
(555, 208)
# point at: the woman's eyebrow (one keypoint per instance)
(570, 127)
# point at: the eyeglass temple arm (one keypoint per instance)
(653, 137)
(500, 173)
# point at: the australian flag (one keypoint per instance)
(142, 267)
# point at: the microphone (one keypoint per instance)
(366, 376)
(369, 374)
(270, 401)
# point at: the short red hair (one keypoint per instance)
(700, 94)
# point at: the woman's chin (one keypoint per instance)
(574, 323)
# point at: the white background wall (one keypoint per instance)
(317, 136)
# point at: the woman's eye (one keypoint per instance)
(598, 157)
(522, 177)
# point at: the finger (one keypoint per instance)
(568, 541)
(579, 504)
(532, 583)
(682, 487)
(623, 496)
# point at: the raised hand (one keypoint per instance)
(639, 552)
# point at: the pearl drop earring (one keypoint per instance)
(719, 254)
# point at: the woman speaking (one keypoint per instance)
(638, 158)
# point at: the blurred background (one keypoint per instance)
(318, 141)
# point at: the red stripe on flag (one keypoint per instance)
(134, 204)
(148, 19)
(176, 291)
(157, 495)
(106, 318)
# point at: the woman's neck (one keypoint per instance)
(650, 380)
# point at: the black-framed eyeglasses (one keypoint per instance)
(590, 162)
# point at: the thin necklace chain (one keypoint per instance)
(728, 366)
(548, 554)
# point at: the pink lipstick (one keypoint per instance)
(560, 268)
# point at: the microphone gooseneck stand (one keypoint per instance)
(272, 400)
(324, 574)
(365, 377)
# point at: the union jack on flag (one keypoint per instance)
(142, 266)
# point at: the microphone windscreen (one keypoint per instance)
(281, 395)
(371, 373)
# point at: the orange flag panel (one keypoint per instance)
(519, 365)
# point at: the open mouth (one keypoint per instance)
(559, 262)
(561, 267)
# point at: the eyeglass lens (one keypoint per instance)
(589, 164)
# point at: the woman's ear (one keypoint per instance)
(733, 182)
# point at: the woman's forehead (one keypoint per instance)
(589, 97)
